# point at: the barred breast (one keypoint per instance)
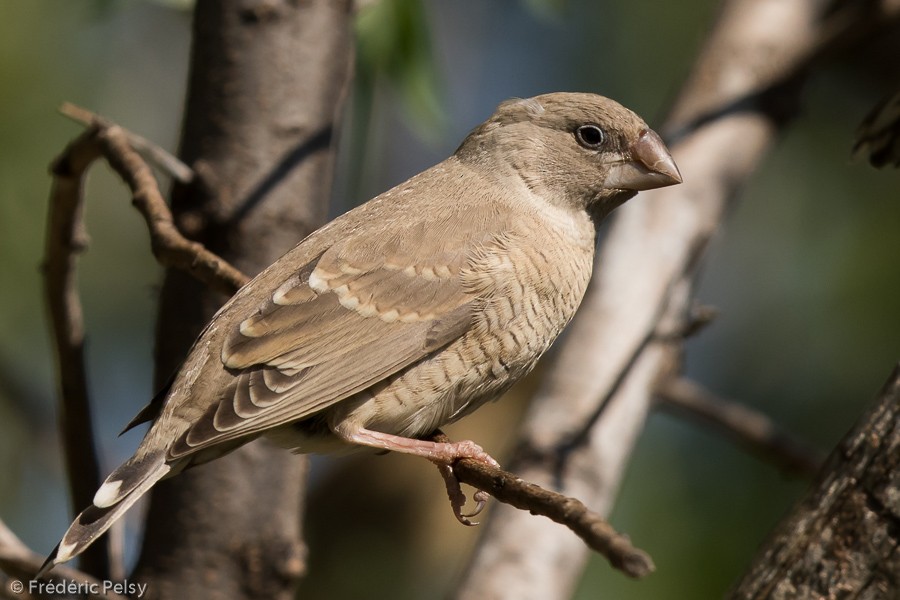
(529, 283)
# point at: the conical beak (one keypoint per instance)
(651, 166)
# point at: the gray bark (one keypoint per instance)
(267, 81)
(843, 539)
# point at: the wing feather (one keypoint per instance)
(289, 371)
(357, 313)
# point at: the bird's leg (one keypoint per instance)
(437, 452)
(442, 454)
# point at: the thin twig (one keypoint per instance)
(742, 423)
(122, 149)
(159, 157)
(18, 561)
(66, 237)
(170, 247)
(596, 532)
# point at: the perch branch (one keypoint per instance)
(738, 421)
(596, 532)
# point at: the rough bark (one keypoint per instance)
(267, 80)
(843, 539)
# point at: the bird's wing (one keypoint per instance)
(363, 310)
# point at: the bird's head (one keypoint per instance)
(575, 149)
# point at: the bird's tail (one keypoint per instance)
(120, 490)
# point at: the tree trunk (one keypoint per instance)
(267, 82)
(843, 539)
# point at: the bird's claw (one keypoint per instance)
(458, 498)
(480, 497)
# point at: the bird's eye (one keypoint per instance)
(590, 136)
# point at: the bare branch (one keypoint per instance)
(121, 149)
(162, 159)
(170, 247)
(740, 422)
(66, 237)
(596, 532)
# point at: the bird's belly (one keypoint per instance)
(513, 326)
(447, 385)
(509, 337)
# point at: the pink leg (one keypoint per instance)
(441, 454)
(436, 452)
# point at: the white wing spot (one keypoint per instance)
(247, 329)
(107, 495)
(318, 280)
(389, 316)
(347, 301)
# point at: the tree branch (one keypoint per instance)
(741, 423)
(596, 532)
(156, 155)
(170, 247)
(66, 238)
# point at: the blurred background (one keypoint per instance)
(805, 273)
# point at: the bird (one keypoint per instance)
(407, 312)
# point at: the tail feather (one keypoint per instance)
(95, 520)
(127, 478)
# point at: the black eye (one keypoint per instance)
(590, 136)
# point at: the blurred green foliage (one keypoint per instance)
(804, 273)
(393, 42)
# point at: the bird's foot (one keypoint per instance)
(458, 498)
(442, 454)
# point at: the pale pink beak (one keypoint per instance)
(651, 166)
